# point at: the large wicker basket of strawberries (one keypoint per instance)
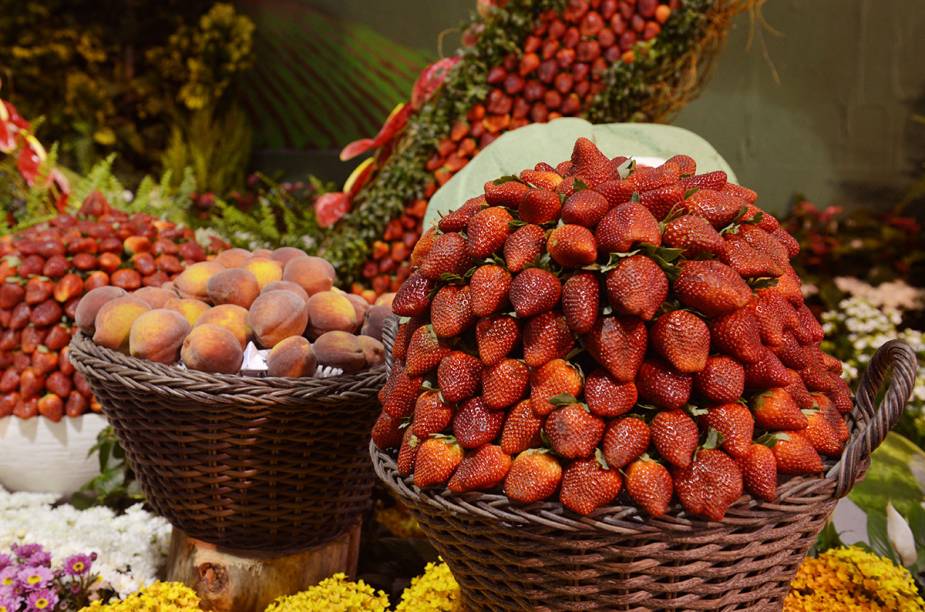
(615, 397)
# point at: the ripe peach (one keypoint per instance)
(360, 305)
(284, 254)
(194, 281)
(91, 303)
(375, 321)
(286, 286)
(212, 348)
(114, 322)
(265, 270)
(188, 307)
(330, 311)
(313, 274)
(157, 335)
(293, 357)
(277, 315)
(340, 349)
(373, 350)
(156, 297)
(233, 258)
(385, 299)
(230, 316)
(235, 286)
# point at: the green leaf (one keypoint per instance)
(761, 282)
(507, 179)
(890, 478)
(878, 538)
(563, 399)
(828, 538)
(691, 192)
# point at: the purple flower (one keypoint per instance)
(5, 561)
(8, 576)
(77, 565)
(34, 577)
(9, 602)
(32, 554)
(43, 599)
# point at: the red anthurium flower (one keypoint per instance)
(431, 79)
(393, 123)
(28, 161)
(7, 138)
(330, 207)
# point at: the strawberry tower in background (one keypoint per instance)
(605, 60)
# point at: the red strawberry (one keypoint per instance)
(637, 287)
(543, 179)
(708, 180)
(457, 220)
(607, 397)
(715, 206)
(504, 383)
(475, 424)
(663, 200)
(431, 415)
(647, 179)
(761, 218)
(570, 185)
(659, 384)
(521, 429)
(481, 470)
(626, 226)
(774, 314)
(675, 436)
(524, 247)
(721, 380)
(817, 378)
(711, 484)
(616, 191)
(841, 396)
(585, 208)
(387, 432)
(795, 455)
(437, 459)
(459, 376)
(546, 337)
(798, 390)
(834, 417)
(496, 337)
(487, 230)
(625, 440)
(564, 168)
(572, 246)
(759, 472)
(741, 192)
(766, 243)
(820, 433)
(573, 432)
(775, 409)
(505, 192)
(809, 326)
(766, 372)
(581, 297)
(786, 240)
(747, 260)
(534, 476)
(540, 206)
(534, 291)
(735, 423)
(451, 311)
(618, 344)
(403, 337)
(489, 287)
(738, 335)
(789, 286)
(400, 402)
(694, 235)
(790, 353)
(587, 485)
(683, 339)
(711, 287)
(558, 377)
(407, 452)
(649, 484)
(413, 297)
(424, 351)
(422, 248)
(686, 164)
(585, 154)
(447, 256)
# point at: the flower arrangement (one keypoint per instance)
(852, 579)
(29, 581)
(434, 591)
(334, 594)
(160, 596)
(129, 548)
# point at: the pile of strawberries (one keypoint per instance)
(556, 73)
(601, 327)
(46, 269)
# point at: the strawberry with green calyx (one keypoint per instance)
(636, 287)
(675, 436)
(721, 380)
(400, 401)
(649, 485)
(535, 475)
(496, 337)
(437, 459)
(833, 416)
(711, 287)
(682, 339)
(589, 164)
(738, 335)
(553, 381)
(619, 345)
(719, 208)
(793, 453)
(447, 256)
(475, 424)
(735, 424)
(459, 376)
(759, 471)
(457, 220)
(572, 246)
(413, 297)
(521, 429)
(659, 384)
(451, 311)
(507, 191)
(581, 297)
(489, 287)
(588, 484)
(486, 231)
(524, 247)
(546, 337)
(775, 409)
(573, 432)
(431, 415)
(407, 452)
(627, 226)
(534, 291)
(539, 179)
(647, 179)
(617, 191)
(585, 208)
(693, 235)
(481, 470)
(709, 485)
(625, 440)
(821, 434)
(662, 200)
(504, 383)
(424, 351)
(540, 206)
(608, 398)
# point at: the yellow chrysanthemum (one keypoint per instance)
(334, 594)
(852, 579)
(159, 597)
(434, 591)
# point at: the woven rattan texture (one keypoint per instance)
(270, 464)
(543, 557)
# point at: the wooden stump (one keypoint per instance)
(245, 581)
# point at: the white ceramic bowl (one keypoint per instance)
(41, 456)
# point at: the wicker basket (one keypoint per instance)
(268, 464)
(543, 557)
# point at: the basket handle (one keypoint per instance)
(389, 329)
(874, 423)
